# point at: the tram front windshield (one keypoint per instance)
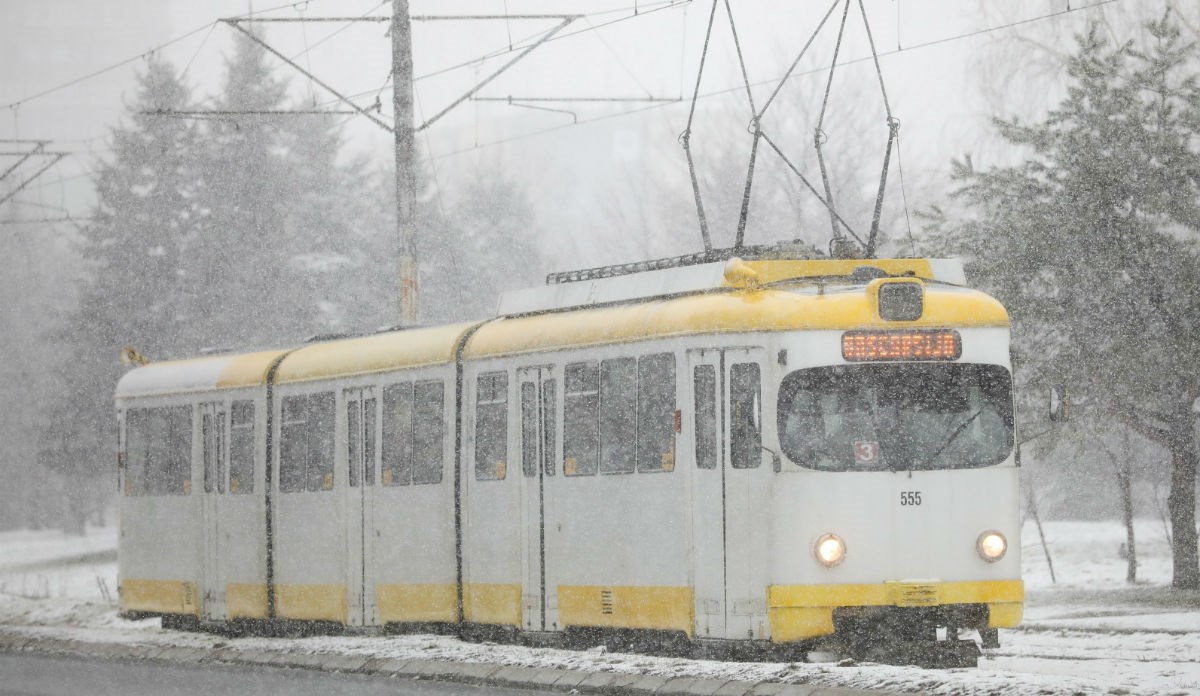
(893, 416)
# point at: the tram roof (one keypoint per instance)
(779, 308)
(381, 352)
(198, 374)
(392, 350)
(599, 287)
(807, 295)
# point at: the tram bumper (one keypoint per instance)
(803, 612)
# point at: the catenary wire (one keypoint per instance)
(744, 213)
(685, 138)
(127, 61)
(813, 71)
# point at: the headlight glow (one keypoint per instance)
(991, 546)
(830, 550)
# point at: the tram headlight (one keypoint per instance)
(991, 546)
(830, 550)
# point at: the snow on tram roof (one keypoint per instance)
(198, 374)
(702, 277)
(390, 350)
(781, 308)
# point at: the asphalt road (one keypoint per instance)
(39, 675)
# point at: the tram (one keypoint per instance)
(764, 451)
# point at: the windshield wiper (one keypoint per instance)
(957, 431)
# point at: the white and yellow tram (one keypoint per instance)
(756, 452)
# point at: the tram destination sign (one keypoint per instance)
(925, 344)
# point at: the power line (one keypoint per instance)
(127, 61)
(520, 44)
(39, 221)
(664, 5)
(728, 90)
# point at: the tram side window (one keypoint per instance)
(158, 451)
(529, 424)
(491, 426)
(704, 383)
(745, 412)
(306, 443)
(581, 440)
(241, 447)
(369, 442)
(618, 415)
(428, 440)
(656, 413)
(212, 435)
(549, 428)
(397, 434)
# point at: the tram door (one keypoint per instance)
(537, 401)
(730, 493)
(362, 455)
(214, 455)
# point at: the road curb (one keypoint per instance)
(478, 673)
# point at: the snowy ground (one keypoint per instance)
(1088, 633)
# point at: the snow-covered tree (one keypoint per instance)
(135, 248)
(1093, 242)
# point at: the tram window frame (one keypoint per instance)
(428, 433)
(656, 405)
(491, 426)
(396, 462)
(212, 431)
(744, 452)
(306, 459)
(704, 386)
(581, 418)
(353, 443)
(370, 440)
(241, 446)
(549, 425)
(361, 469)
(164, 434)
(529, 426)
(618, 415)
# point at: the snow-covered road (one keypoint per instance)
(1088, 633)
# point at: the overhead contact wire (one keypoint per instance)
(685, 138)
(893, 132)
(799, 56)
(744, 214)
(833, 212)
(819, 133)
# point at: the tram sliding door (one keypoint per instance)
(708, 531)
(730, 494)
(538, 398)
(362, 425)
(214, 457)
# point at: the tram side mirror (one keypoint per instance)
(1060, 403)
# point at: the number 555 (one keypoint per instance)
(910, 497)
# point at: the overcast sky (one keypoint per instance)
(618, 49)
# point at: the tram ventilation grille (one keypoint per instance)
(606, 602)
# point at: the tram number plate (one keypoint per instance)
(910, 498)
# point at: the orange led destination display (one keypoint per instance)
(938, 344)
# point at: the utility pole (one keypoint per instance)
(403, 129)
(406, 177)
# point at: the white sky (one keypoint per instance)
(932, 88)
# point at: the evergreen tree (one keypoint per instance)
(1094, 244)
(147, 216)
(285, 225)
(488, 244)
